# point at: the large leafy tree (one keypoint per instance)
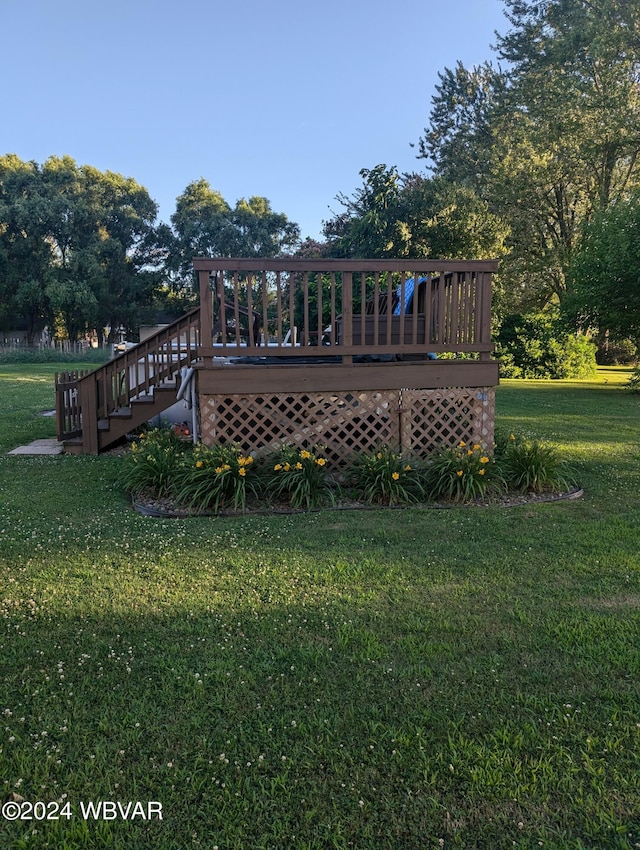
(204, 224)
(407, 215)
(126, 271)
(25, 252)
(604, 288)
(550, 139)
(76, 244)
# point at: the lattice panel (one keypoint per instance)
(432, 418)
(342, 422)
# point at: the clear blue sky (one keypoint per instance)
(288, 99)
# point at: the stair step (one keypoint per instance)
(73, 446)
(121, 413)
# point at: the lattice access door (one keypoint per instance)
(432, 418)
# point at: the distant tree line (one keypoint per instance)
(534, 159)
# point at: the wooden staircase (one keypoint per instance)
(96, 409)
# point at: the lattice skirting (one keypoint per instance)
(347, 422)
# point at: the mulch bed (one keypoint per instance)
(167, 509)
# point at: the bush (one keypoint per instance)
(91, 356)
(531, 466)
(150, 467)
(213, 478)
(633, 384)
(385, 478)
(536, 345)
(462, 474)
(300, 477)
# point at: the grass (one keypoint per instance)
(414, 679)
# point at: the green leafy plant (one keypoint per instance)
(532, 466)
(300, 477)
(386, 478)
(151, 464)
(462, 473)
(633, 384)
(215, 477)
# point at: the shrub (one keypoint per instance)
(91, 356)
(633, 384)
(531, 466)
(213, 478)
(384, 477)
(462, 473)
(151, 464)
(537, 345)
(300, 477)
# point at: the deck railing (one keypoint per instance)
(344, 308)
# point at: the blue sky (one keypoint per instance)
(288, 99)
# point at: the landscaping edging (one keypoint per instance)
(163, 508)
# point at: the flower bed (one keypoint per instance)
(167, 477)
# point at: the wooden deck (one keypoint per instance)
(348, 353)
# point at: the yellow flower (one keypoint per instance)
(287, 466)
(469, 452)
(321, 461)
(459, 473)
(476, 448)
(219, 470)
(298, 465)
(242, 471)
(395, 475)
(484, 459)
(225, 466)
(481, 471)
(305, 455)
(244, 461)
(379, 455)
(512, 436)
(278, 467)
(199, 464)
(407, 468)
(461, 444)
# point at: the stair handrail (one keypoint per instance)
(134, 373)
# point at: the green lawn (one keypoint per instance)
(379, 679)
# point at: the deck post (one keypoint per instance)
(206, 308)
(485, 279)
(347, 312)
(87, 392)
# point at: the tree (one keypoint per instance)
(604, 289)
(206, 226)
(550, 139)
(75, 243)
(25, 253)
(407, 215)
(126, 273)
